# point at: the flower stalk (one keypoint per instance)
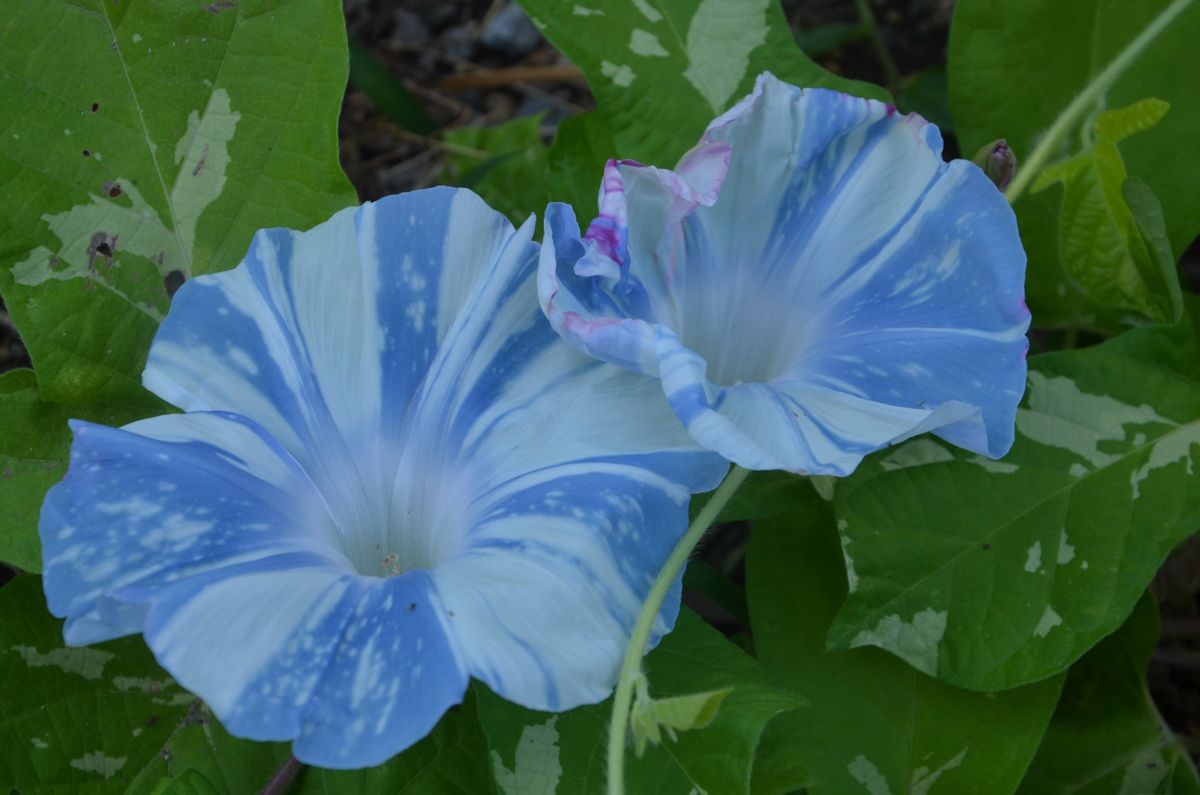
(631, 667)
(1087, 99)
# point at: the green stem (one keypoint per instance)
(1087, 98)
(631, 667)
(891, 72)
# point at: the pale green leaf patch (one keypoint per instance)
(651, 717)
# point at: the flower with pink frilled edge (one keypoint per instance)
(812, 282)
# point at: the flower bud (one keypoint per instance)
(997, 161)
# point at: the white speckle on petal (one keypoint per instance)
(646, 44)
(416, 315)
(621, 75)
(38, 742)
(243, 360)
(135, 508)
(1033, 558)
(583, 11)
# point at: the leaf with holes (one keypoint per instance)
(662, 69)
(872, 724)
(990, 574)
(145, 147)
(1015, 66)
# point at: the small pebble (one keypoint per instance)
(511, 32)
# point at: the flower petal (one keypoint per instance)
(204, 534)
(546, 594)
(355, 669)
(390, 680)
(576, 485)
(164, 498)
(322, 337)
(846, 290)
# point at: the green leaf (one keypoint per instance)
(873, 724)
(926, 93)
(763, 494)
(582, 145)
(98, 717)
(778, 769)
(148, 145)
(661, 70)
(824, 39)
(990, 574)
(375, 80)
(1152, 228)
(536, 752)
(1106, 735)
(33, 457)
(189, 782)
(512, 178)
(702, 578)
(1015, 66)
(1104, 252)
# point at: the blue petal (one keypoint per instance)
(392, 677)
(572, 480)
(165, 498)
(322, 337)
(434, 437)
(846, 290)
(546, 593)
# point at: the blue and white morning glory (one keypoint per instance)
(391, 476)
(811, 283)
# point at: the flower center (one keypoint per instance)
(413, 514)
(754, 343)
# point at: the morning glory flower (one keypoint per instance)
(811, 283)
(390, 476)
